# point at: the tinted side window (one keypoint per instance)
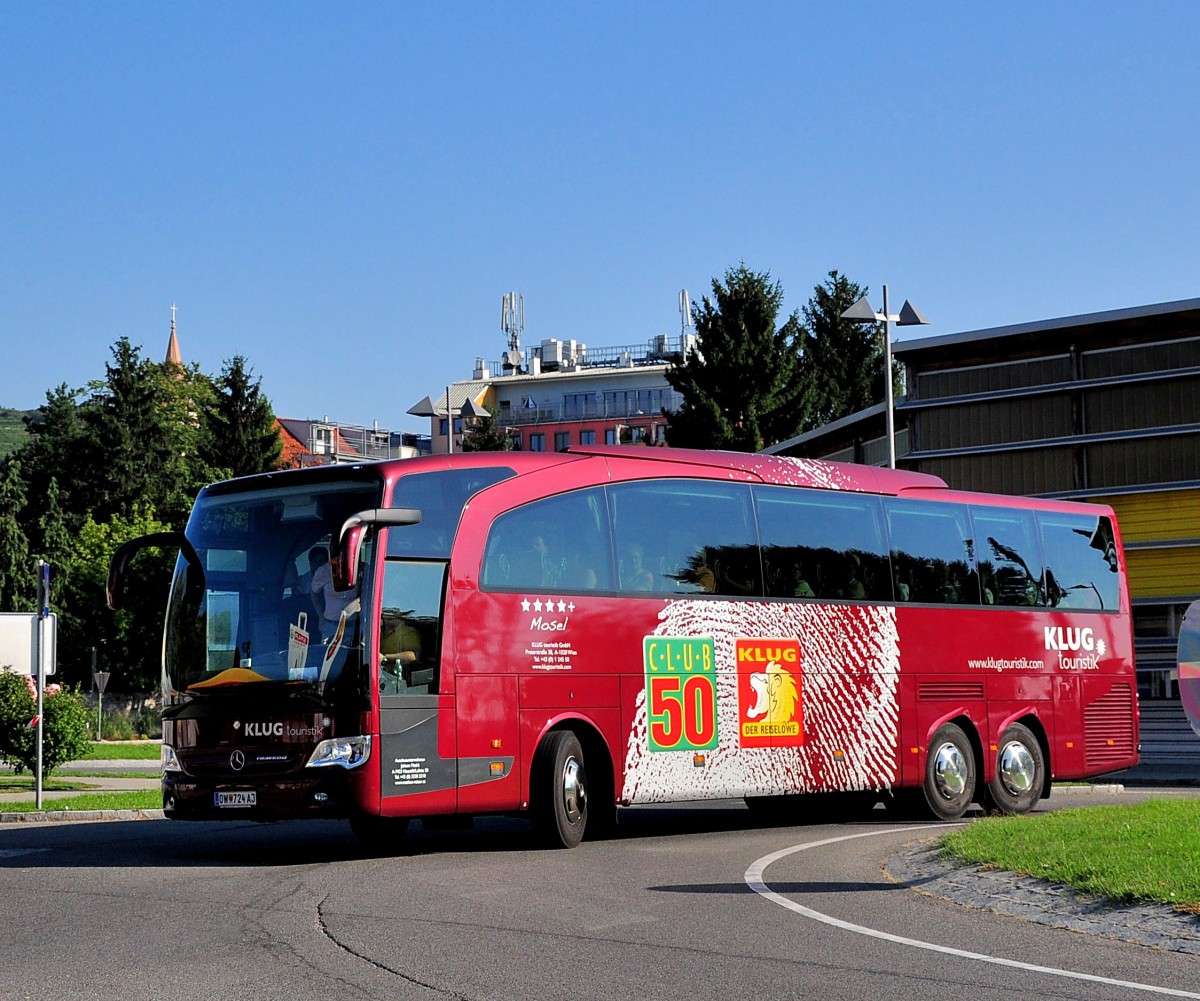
(440, 497)
(1008, 555)
(822, 544)
(932, 554)
(685, 536)
(559, 543)
(1081, 561)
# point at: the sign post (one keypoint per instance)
(101, 679)
(43, 613)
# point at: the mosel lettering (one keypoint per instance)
(1069, 638)
(548, 625)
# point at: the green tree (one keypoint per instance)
(58, 450)
(16, 565)
(485, 435)
(843, 359)
(124, 415)
(54, 539)
(742, 387)
(131, 637)
(242, 437)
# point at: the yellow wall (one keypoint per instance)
(1163, 572)
(1152, 517)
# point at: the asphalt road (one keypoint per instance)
(692, 903)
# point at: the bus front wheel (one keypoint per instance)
(1020, 772)
(950, 772)
(560, 800)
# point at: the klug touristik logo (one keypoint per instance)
(259, 728)
(1078, 649)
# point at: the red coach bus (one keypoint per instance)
(561, 634)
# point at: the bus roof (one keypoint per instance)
(784, 470)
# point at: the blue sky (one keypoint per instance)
(343, 192)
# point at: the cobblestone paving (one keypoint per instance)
(1054, 904)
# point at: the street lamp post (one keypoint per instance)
(863, 312)
(470, 410)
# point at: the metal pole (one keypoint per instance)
(449, 423)
(43, 594)
(887, 380)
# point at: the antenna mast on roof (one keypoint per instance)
(512, 322)
(685, 311)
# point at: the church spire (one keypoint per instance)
(173, 355)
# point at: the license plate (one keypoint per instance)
(240, 798)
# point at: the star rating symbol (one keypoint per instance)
(547, 604)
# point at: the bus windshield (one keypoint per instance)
(264, 611)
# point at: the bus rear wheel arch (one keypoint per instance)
(951, 772)
(1020, 773)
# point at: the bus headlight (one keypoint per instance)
(167, 761)
(349, 752)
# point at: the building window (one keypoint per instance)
(610, 436)
(576, 405)
(561, 440)
(537, 442)
(587, 437)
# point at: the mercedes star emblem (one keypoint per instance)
(237, 761)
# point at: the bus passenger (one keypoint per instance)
(634, 576)
(329, 602)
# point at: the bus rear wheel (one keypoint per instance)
(1020, 772)
(560, 793)
(950, 772)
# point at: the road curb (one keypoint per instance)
(66, 816)
(1107, 789)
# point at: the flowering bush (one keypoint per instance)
(66, 727)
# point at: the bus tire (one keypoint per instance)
(950, 772)
(379, 835)
(1020, 772)
(560, 795)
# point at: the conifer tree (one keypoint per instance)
(742, 388)
(16, 565)
(843, 359)
(243, 437)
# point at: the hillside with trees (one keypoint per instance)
(12, 429)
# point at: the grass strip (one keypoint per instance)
(25, 783)
(1146, 852)
(134, 750)
(96, 773)
(148, 799)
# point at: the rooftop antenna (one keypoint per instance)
(685, 311)
(512, 322)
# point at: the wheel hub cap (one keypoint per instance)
(574, 793)
(950, 771)
(1016, 767)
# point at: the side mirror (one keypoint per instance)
(345, 549)
(126, 552)
(1189, 664)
